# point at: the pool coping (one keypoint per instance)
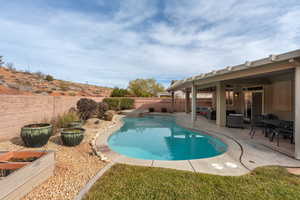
(227, 164)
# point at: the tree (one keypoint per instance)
(49, 78)
(119, 92)
(145, 87)
(1, 61)
(10, 66)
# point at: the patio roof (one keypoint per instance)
(290, 57)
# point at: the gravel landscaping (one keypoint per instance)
(75, 166)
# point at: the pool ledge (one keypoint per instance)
(226, 164)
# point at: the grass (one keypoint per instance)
(124, 182)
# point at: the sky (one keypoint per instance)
(110, 42)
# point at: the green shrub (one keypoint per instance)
(64, 86)
(119, 92)
(64, 120)
(49, 78)
(87, 108)
(40, 75)
(72, 94)
(113, 103)
(119, 103)
(126, 103)
(102, 108)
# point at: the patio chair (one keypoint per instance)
(235, 121)
(285, 129)
(256, 123)
(229, 112)
(269, 128)
(211, 114)
(270, 116)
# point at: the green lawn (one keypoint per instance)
(131, 182)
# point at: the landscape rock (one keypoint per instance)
(109, 115)
(13, 86)
(2, 82)
(25, 88)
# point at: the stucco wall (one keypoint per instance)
(158, 104)
(279, 97)
(18, 110)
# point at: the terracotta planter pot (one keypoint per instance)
(36, 135)
(72, 136)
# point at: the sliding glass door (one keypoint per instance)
(253, 101)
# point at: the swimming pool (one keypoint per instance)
(160, 138)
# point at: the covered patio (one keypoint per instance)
(268, 88)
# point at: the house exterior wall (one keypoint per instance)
(279, 97)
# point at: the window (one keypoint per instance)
(229, 97)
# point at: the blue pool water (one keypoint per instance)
(160, 138)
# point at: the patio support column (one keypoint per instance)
(297, 112)
(194, 99)
(221, 104)
(172, 101)
(213, 100)
(187, 102)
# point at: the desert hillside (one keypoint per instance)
(26, 83)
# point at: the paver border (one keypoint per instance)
(92, 181)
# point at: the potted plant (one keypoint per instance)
(72, 136)
(75, 124)
(36, 135)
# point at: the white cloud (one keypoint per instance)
(140, 39)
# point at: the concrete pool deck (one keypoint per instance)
(242, 156)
